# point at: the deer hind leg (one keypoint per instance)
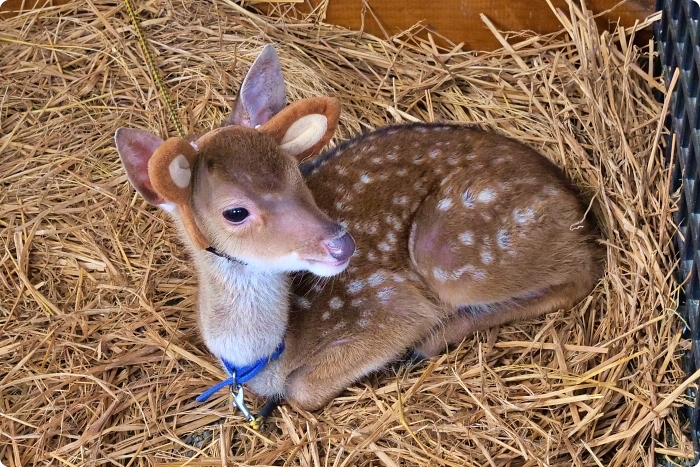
(469, 319)
(495, 256)
(334, 366)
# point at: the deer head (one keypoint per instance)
(237, 189)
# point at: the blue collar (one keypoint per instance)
(243, 374)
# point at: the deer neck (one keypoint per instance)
(242, 311)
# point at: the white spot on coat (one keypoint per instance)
(486, 196)
(440, 274)
(503, 239)
(479, 275)
(385, 294)
(335, 303)
(467, 268)
(523, 216)
(355, 286)
(444, 204)
(376, 278)
(467, 237)
(393, 221)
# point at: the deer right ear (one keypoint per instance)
(262, 93)
(135, 148)
(304, 127)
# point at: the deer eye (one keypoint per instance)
(235, 215)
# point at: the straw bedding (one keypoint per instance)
(100, 357)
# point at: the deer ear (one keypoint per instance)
(170, 170)
(262, 93)
(161, 172)
(305, 127)
(135, 148)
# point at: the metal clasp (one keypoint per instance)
(239, 401)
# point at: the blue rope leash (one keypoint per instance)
(241, 375)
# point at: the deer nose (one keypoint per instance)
(341, 248)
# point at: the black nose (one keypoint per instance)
(341, 248)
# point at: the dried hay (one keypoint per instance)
(100, 356)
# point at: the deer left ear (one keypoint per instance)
(304, 127)
(170, 170)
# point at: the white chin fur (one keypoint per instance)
(326, 270)
(292, 263)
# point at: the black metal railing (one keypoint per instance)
(678, 41)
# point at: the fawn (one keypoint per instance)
(453, 230)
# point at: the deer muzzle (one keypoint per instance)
(341, 248)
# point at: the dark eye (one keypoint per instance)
(236, 215)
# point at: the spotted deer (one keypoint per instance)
(430, 232)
